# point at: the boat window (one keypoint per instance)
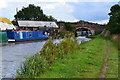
(30, 35)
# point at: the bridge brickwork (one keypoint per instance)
(93, 27)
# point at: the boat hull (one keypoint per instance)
(26, 36)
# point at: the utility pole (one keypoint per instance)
(16, 13)
(16, 17)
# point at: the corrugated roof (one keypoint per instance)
(37, 24)
(6, 26)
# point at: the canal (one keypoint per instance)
(13, 54)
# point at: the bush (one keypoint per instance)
(65, 33)
(68, 45)
(69, 27)
(41, 61)
(49, 51)
(33, 66)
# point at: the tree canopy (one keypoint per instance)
(69, 27)
(114, 22)
(82, 21)
(33, 12)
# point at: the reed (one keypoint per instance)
(36, 65)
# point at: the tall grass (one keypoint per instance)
(36, 65)
(85, 62)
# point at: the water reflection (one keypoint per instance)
(14, 54)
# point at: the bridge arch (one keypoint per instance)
(84, 28)
(84, 31)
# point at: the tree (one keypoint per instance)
(114, 22)
(82, 21)
(114, 9)
(33, 12)
(69, 27)
(15, 22)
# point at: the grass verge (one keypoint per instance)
(85, 62)
(70, 60)
(112, 61)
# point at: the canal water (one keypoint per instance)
(12, 55)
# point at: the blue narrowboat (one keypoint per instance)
(25, 35)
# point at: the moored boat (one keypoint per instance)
(25, 35)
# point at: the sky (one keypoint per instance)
(66, 10)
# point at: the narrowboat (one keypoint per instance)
(25, 35)
(26, 30)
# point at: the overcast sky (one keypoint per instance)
(66, 10)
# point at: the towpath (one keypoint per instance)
(105, 64)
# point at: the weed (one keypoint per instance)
(36, 65)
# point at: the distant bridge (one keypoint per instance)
(94, 28)
(91, 30)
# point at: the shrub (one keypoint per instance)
(66, 33)
(41, 61)
(49, 51)
(33, 66)
(69, 27)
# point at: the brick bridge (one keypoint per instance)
(93, 27)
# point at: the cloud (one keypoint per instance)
(59, 10)
(98, 0)
(3, 4)
(57, 0)
(42, 0)
(119, 2)
(51, 5)
(62, 0)
(92, 11)
(101, 21)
